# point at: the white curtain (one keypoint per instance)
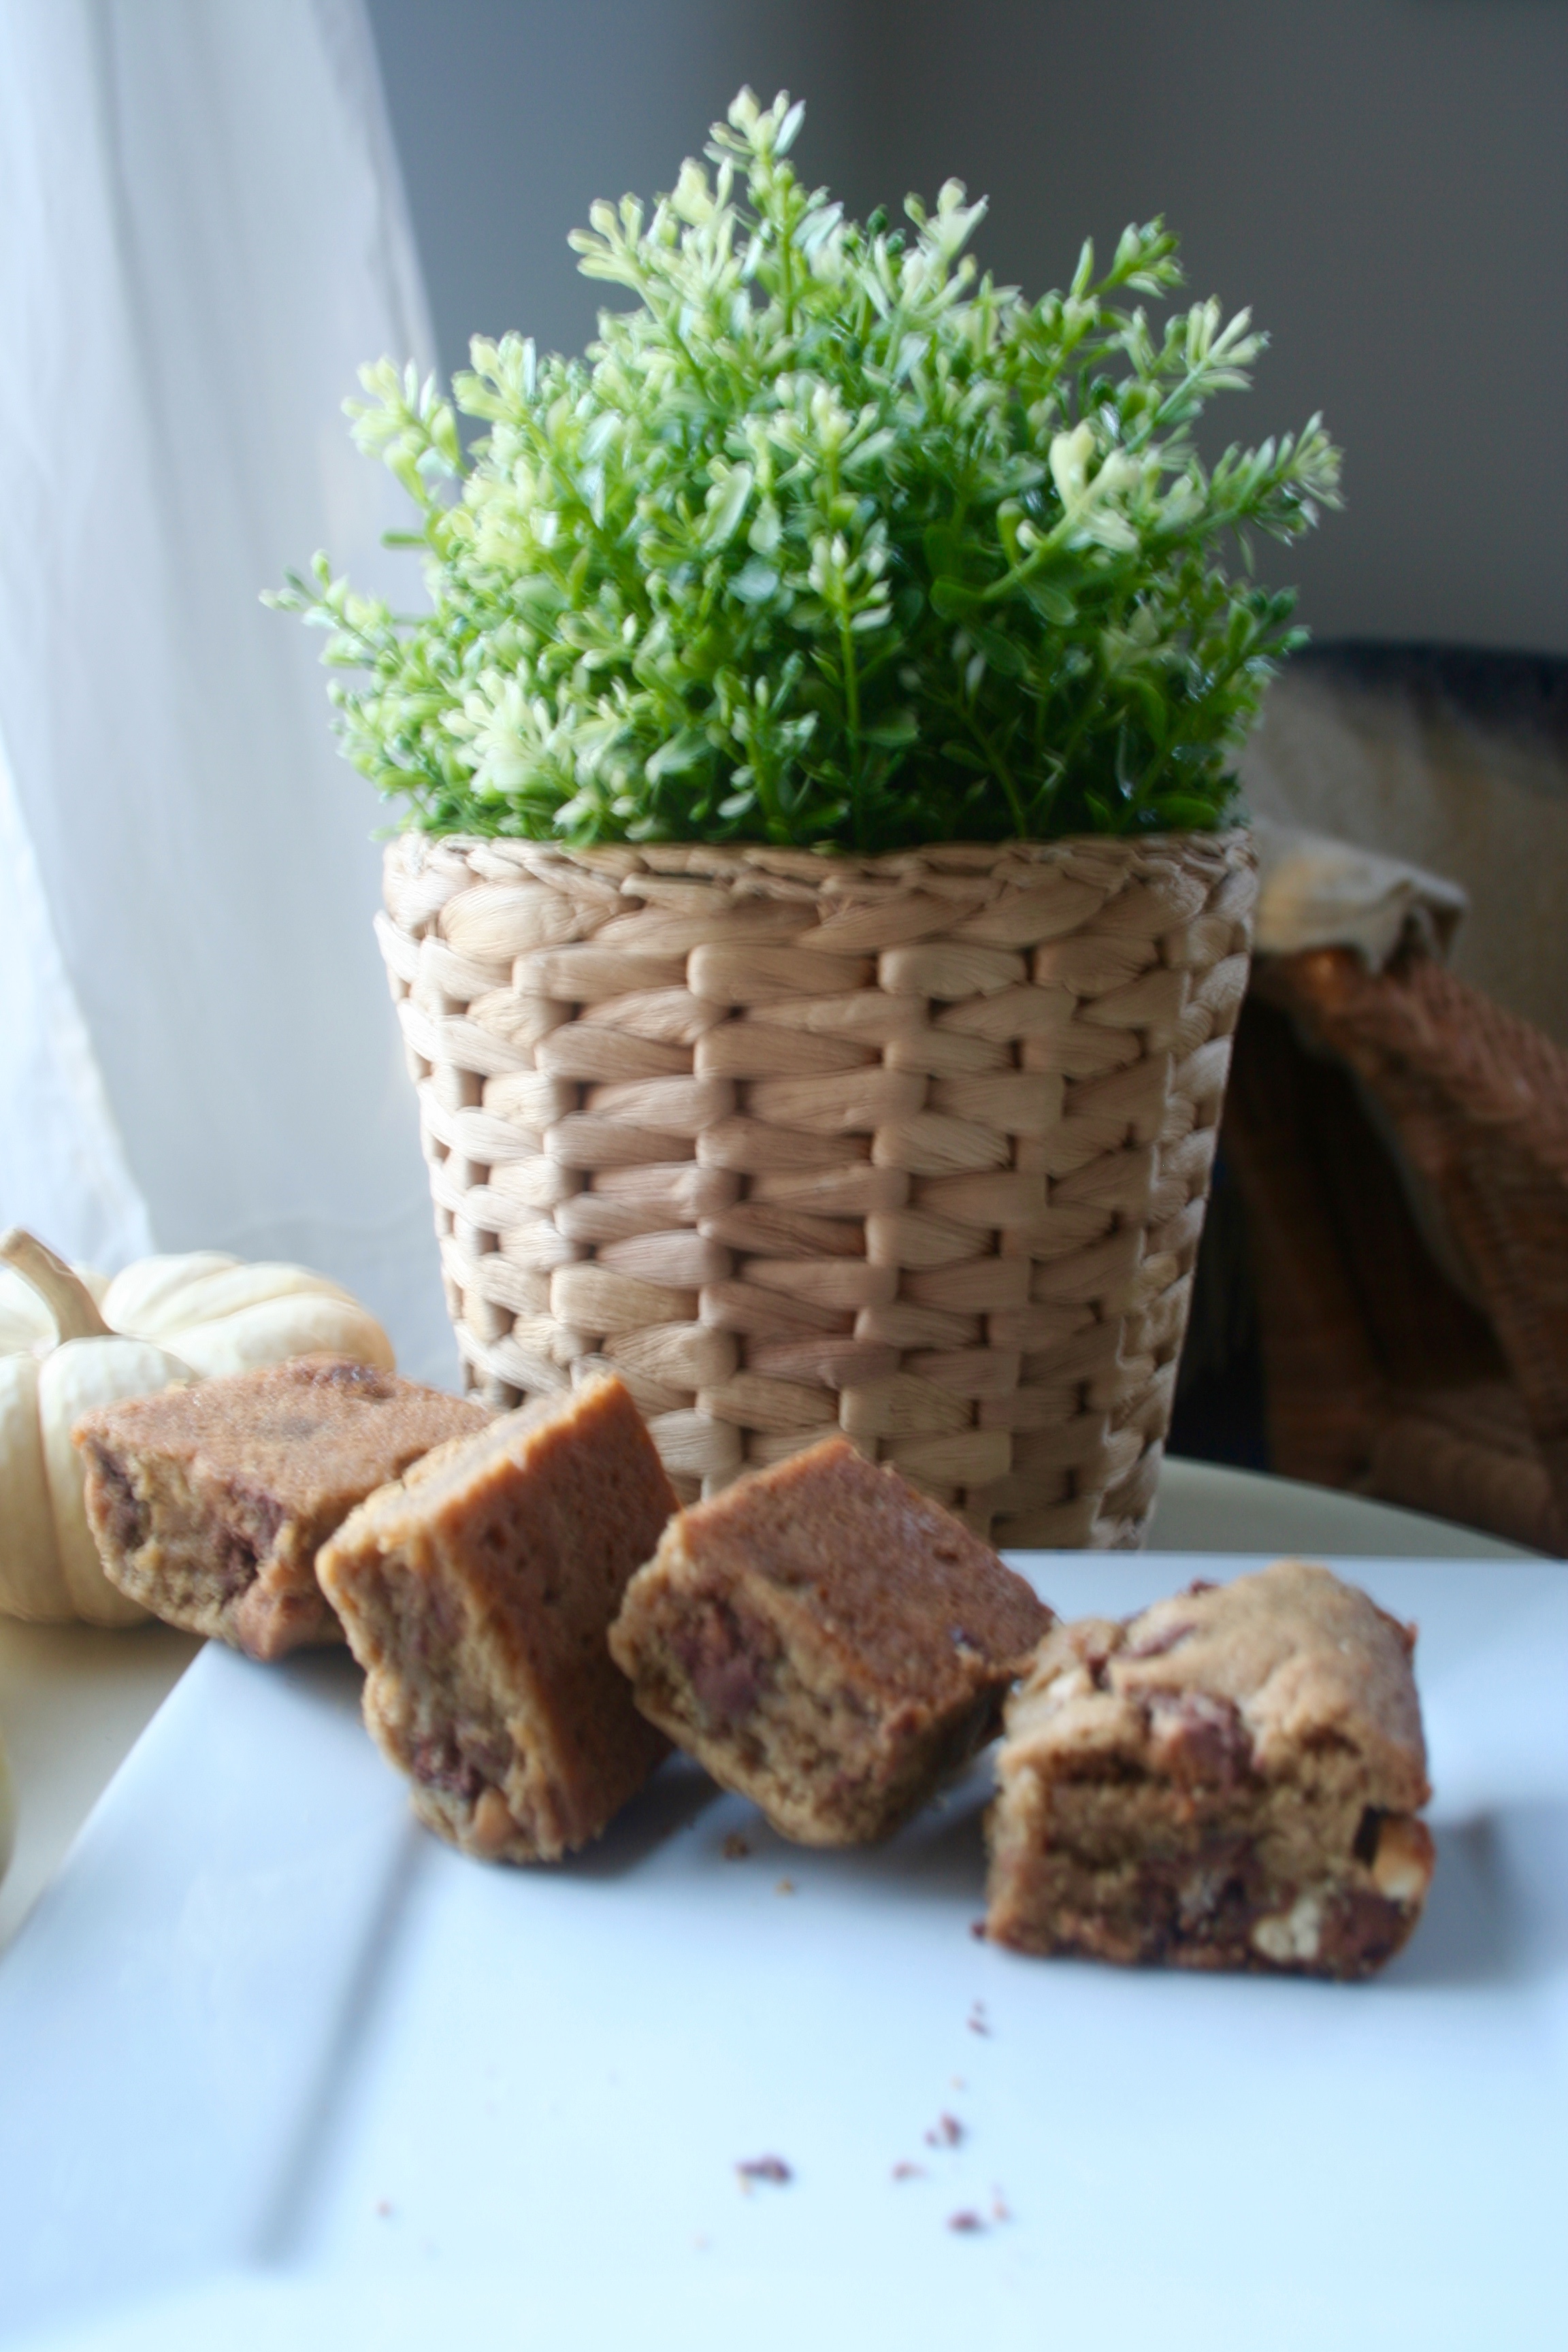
(202, 235)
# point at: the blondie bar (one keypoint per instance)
(208, 1504)
(478, 1593)
(1229, 1781)
(828, 1641)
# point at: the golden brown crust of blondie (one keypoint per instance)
(826, 1641)
(208, 1504)
(478, 1592)
(1229, 1780)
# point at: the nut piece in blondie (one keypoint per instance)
(208, 1504)
(1229, 1781)
(828, 1641)
(477, 1594)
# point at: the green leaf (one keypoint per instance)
(1003, 653)
(1185, 812)
(727, 506)
(755, 582)
(1052, 601)
(676, 756)
(893, 734)
(953, 600)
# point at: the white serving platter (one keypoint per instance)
(277, 2068)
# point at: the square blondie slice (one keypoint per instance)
(478, 1593)
(828, 1641)
(1229, 1781)
(208, 1504)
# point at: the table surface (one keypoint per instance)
(74, 1700)
(280, 2069)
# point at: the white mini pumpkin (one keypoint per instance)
(63, 1349)
(223, 1315)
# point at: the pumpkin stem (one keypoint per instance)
(69, 1301)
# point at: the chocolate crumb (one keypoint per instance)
(946, 2132)
(1199, 1584)
(977, 1929)
(784, 1887)
(907, 2172)
(384, 2207)
(977, 2020)
(735, 1848)
(966, 2223)
(765, 2168)
(1199, 1739)
(1000, 2209)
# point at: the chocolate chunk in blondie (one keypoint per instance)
(478, 1593)
(208, 1504)
(828, 1641)
(1229, 1781)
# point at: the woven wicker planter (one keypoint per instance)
(915, 1147)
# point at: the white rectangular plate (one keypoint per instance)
(270, 2052)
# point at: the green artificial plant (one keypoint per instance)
(828, 542)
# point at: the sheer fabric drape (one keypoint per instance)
(202, 234)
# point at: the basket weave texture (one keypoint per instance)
(912, 1148)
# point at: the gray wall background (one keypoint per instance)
(1385, 182)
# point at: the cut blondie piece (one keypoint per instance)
(208, 1504)
(826, 1642)
(477, 1594)
(1229, 1781)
